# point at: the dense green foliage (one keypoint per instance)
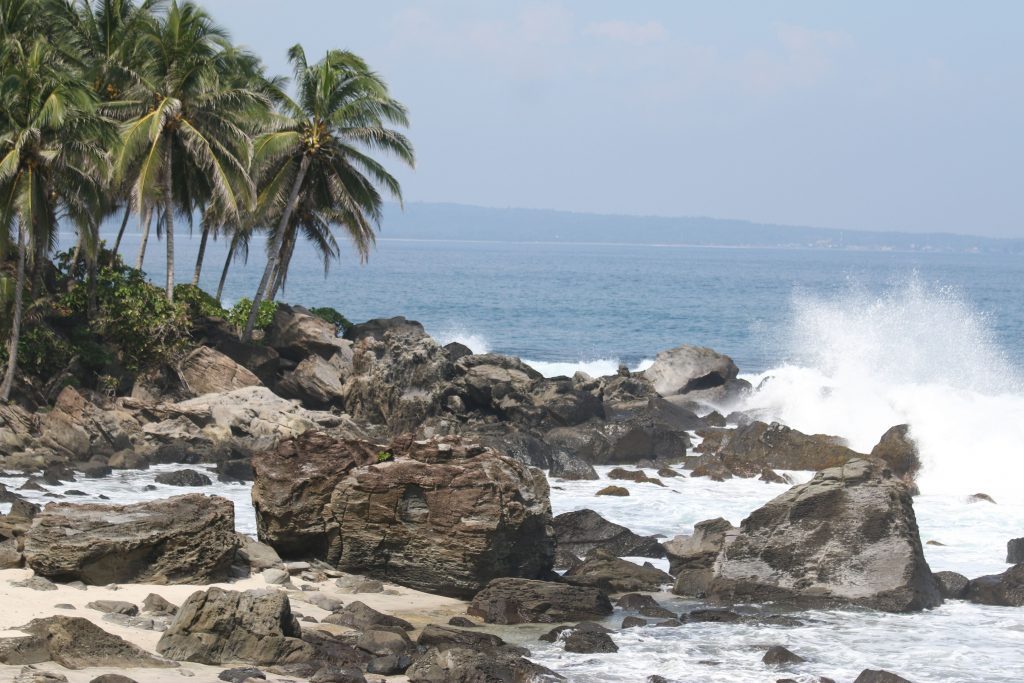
(239, 314)
(331, 315)
(145, 110)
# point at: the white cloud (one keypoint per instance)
(805, 57)
(635, 33)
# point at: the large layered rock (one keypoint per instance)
(691, 559)
(74, 643)
(79, 428)
(849, 536)
(518, 601)
(294, 482)
(317, 382)
(1006, 589)
(748, 449)
(443, 516)
(184, 539)
(690, 368)
(296, 334)
(206, 371)
(897, 450)
(219, 627)
(583, 531)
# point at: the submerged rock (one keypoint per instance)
(184, 539)
(849, 536)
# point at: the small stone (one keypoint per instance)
(779, 656)
(114, 607)
(938, 543)
(462, 622)
(324, 602)
(64, 605)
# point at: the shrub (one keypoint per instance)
(239, 314)
(384, 456)
(199, 303)
(331, 315)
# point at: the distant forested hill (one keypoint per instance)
(461, 222)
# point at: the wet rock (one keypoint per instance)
(114, 607)
(780, 656)
(463, 665)
(74, 643)
(953, 586)
(645, 605)
(668, 472)
(516, 601)
(183, 478)
(567, 466)
(613, 491)
(897, 450)
(747, 450)
(235, 470)
(1006, 589)
(1015, 551)
(359, 616)
(615, 575)
(981, 498)
(583, 531)
(710, 616)
(632, 475)
(184, 539)
(789, 550)
(770, 476)
(879, 676)
(691, 558)
(689, 368)
(443, 516)
(583, 640)
(633, 622)
(219, 626)
(95, 470)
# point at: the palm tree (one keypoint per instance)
(52, 159)
(185, 144)
(319, 154)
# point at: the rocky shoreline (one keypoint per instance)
(404, 515)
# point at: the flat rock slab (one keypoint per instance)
(74, 643)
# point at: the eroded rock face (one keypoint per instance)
(443, 516)
(75, 643)
(849, 536)
(689, 368)
(184, 539)
(583, 531)
(294, 482)
(219, 626)
(518, 601)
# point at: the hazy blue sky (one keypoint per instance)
(894, 115)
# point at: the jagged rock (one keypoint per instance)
(360, 616)
(780, 656)
(1015, 551)
(183, 478)
(516, 443)
(953, 586)
(567, 466)
(692, 558)
(879, 676)
(206, 371)
(318, 382)
(74, 643)
(897, 450)
(235, 470)
(184, 539)
(747, 450)
(849, 536)
(293, 485)
(582, 531)
(614, 575)
(497, 384)
(613, 491)
(565, 559)
(1006, 589)
(463, 665)
(444, 517)
(296, 334)
(516, 601)
(637, 476)
(219, 626)
(689, 368)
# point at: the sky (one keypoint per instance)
(882, 116)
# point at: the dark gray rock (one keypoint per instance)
(567, 466)
(780, 656)
(583, 531)
(879, 676)
(614, 575)
(75, 643)
(360, 616)
(239, 674)
(1006, 589)
(953, 586)
(183, 478)
(516, 601)
(1015, 551)
(691, 558)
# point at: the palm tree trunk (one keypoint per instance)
(73, 268)
(124, 224)
(202, 253)
(38, 261)
(275, 250)
(169, 223)
(227, 264)
(12, 347)
(147, 221)
(282, 266)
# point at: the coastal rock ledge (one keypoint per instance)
(847, 537)
(441, 515)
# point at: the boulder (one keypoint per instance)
(257, 556)
(692, 558)
(613, 491)
(10, 556)
(218, 626)
(583, 442)
(360, 616)
(847, 537)
(1006, 589)
(953, 586)
(107, 427)
(464, 665)
(517, 601)
(114, 607)
(582, 531)
(879, 676)
(780, 656)
(565, 465)
(296, 334)
(747, 450)
(615, 575)
(294, 482)
(443, 516)
(689, 368)
(74, 643)
(584, 640)
(444, 638)
(897, 450)
(184, 539)
(1015, 551)
(207, 371)
(317, 382)
(183, 478)
(379, 327)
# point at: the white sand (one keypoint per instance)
(18, 606)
